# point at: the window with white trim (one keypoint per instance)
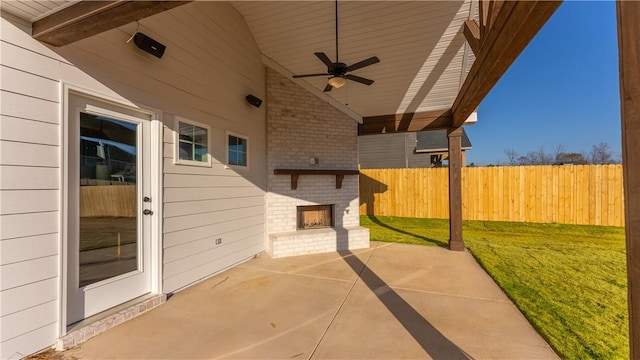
(192, 143)
(237, 150)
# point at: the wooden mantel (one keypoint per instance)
(295, 174)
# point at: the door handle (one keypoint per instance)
(147, 212)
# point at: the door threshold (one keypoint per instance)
(84, 330)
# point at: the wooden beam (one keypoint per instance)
(495, 6)
(88, 18)
(515, 26)
(628, 14)
(408, 122)
(483, 7)
(472, 34)
(489, 10)
(455, 189)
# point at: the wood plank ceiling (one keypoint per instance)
(31, 10)
(423, 54)
(424, 57)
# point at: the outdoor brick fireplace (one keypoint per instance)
(314, 217)
(312, 174)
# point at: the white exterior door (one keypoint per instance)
(108, 212)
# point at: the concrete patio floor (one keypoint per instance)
(391, 301)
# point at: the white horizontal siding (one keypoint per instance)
(27, 107)
(27, 272)
(192, 251)
(199, 222)
(19, 324)
(29, 196)
(194, 247)
(188, 194)
(28, 296)
(29, 342)
(205, 206)
(204, 76)
(223, 225)
(202, 204)
(177, 281)
(23, 225)
(29, 131)
(210, 65)
(203, 84)
(21, 82)
(18, 32)
(28, 201)
(30, 61)
(26, 154)
(29, 178)
(28, 248)
(203, 181)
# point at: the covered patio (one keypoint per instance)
(360, 305)
(389, 300)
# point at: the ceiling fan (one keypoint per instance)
(338, 71)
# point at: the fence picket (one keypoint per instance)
(581, 194)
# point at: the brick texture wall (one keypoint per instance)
(300, 126)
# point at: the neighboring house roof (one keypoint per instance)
(436, 140)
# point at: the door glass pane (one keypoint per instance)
(108, 198)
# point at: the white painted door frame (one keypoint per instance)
(155, 189)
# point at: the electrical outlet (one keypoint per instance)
(218, 241)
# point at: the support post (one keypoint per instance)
(455, 189)
(628, 14)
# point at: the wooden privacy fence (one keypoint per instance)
(569, 194)
(108, 200)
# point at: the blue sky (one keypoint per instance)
(562, 89)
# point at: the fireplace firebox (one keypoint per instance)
(315, 217)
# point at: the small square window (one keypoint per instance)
(237, 150)
(192, 143)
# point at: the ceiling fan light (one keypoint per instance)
(337, 82)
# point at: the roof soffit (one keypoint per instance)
(421, 45)
(423, 52)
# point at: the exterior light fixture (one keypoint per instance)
(337, 82)
(149, 45)
(254, 100)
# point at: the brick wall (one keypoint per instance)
(300, 126)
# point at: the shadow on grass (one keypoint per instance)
(379, 222)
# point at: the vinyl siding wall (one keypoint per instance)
(381, 151)
(394, 151)
(390, 151)
(415, 160)
(210, 65)
(29, 193)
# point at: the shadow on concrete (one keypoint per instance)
(430, 339)
(379, 222)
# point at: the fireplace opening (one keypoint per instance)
(315, 217)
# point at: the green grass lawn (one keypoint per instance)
(568, 280)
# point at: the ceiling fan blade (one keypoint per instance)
(358, 79)
(370, 61)
(327, 88)
(325, 59)
(308, 75)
